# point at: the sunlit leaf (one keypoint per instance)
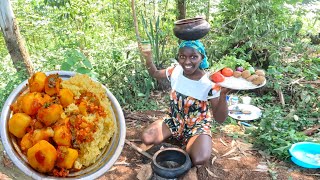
(71, 61)
(65, 66)
(83, 70)
(87, 63)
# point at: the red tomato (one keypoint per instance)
(227, 72)
(217, 77)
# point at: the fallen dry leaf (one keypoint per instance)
(223, 142)
(233, 143)
(213, 159)
(211, 173)
(215, 150)
(232, 129)
(262, 167)
(236, 158)
(124, 163)
(230, 152)
(112, 169)
(244, 146)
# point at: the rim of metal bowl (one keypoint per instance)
(105, 160)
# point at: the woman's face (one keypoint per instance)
(189, 59)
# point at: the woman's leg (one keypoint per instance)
(156, 133)
(199, 148)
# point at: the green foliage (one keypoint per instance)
(276, 132)
(282, 126)
(154, 35)
(252, 30)
(284, 77)
(57, 3)
(76, 61)
(128, 80)
(8, 82)
(231, 62)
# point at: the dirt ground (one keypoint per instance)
(232, 159)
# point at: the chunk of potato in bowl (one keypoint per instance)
(54, 127)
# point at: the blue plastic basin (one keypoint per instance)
(306, 154)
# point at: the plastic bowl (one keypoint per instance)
(105, 160)
(306, 154)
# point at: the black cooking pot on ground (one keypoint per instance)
(191, 28)
(170, 163)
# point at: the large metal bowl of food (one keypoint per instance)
(86, 139)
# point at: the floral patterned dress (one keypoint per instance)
(189, 116)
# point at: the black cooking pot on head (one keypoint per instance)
(170, 163)
(191, 28)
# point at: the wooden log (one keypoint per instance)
(135, 147)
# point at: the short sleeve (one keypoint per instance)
(169, 71)
(214, 91)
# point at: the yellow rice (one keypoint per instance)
(89, 151)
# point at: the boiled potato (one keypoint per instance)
(62, 135)
(42, 156)
(245, 74)
(35, 136)
(260, 72)
(18, 124)
(252, 77)
(17, 106)
(47, 99)
(49, 115)
(52, 84)
(63, 121)
(66, 97)
(36, 124)
(42, 134)
(236, 74)
(36, 82)
(259, 80)
(31, 103)
(66, 157)
(26, 141)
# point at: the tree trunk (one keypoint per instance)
(181, 6)
(15, 44)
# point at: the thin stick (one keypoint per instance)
(134, 140)
(138, 149)
(280, 94)
(296, 81)
(135, 23)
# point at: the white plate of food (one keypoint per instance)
(239, 83)
(244, 112)
(238, 80)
